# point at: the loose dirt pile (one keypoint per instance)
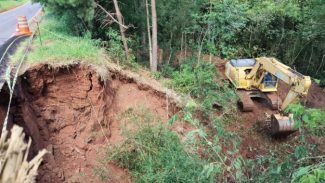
(73, 114)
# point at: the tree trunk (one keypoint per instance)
(154, 36)
(149, 32)
(122, 29)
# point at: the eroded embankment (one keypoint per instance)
(72, 113)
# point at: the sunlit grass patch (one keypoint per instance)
(55, 44)
(9, 4)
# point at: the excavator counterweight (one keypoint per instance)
(258, 78)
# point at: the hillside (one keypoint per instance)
(108, 108)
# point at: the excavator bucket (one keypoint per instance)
(282, 125)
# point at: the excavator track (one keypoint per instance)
(245, 102)
(274, 100)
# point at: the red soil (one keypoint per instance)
(73, 114)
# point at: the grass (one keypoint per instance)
(9, 4)
(55, 45)
(154, 153)
(202, 81)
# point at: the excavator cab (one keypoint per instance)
(269, 84)
(237, 71)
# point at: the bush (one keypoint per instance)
(155, 154)
(195, 79)
(308, 174)
(311, 119)
(115, 48)
(200, 80)
(167, 70)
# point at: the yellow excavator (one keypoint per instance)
(258, 78)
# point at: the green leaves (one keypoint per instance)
(195, 132)
(312, 119)
(172, 120)
(210, 170)
(309, 174)
(200, 80)
(300, 152)
(82, 9)
(8, 78)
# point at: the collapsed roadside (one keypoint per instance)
(72, 97)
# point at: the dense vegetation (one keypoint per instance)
(291, 30)
(155, 154)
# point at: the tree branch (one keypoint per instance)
(109, 14)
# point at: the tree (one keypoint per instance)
(122, 29)
(78, 14)
(153, 66)
(149, 32)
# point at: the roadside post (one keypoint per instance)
(39, 30)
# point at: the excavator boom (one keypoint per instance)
(299, 83)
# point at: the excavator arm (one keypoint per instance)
(299, 84)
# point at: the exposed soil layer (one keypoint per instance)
(73, 114)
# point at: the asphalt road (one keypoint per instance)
(8, 42)
(8, 19)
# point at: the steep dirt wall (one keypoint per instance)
(4, 100)
(72, 113)
(60, 109)
(3, 111)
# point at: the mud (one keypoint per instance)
(73, 114)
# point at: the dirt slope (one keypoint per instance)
(74, 115)
(315, 97)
